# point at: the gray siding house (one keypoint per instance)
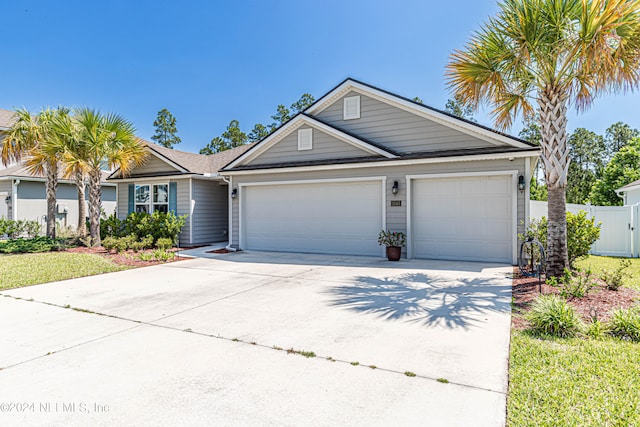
(23, 196)
(185, 183)
(361, 159)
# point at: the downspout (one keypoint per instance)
(229, 182)
(14, 199)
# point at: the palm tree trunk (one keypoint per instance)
(82, 205)
(555, 155)
(51, 185)
(95, 206)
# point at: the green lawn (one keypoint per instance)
(32, 269)
(573, 382)
(598, 263)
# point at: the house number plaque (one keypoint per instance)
(396, 203)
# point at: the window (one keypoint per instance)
(146, 202)
(305, 139)
(161, 198)
(351, 108)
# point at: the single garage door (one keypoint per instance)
(466, 218)
(331, 218)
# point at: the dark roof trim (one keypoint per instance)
(428, 107)
(150, 175)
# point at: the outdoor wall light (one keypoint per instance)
(7, 199)
(521, 183)
(234, 193)
(394, 189)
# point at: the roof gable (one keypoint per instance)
(329, 143)
(164, 161)
(438, 118)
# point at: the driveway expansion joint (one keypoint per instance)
(305, 353)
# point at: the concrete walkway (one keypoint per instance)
(198, 342)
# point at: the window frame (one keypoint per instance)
(151, 204)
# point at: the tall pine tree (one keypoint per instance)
(166, 129)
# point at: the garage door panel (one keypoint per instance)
(336, 218)
(466, 218)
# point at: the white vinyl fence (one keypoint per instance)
(620, 230)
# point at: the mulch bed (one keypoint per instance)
(600, 301)
(128, 258)
(219, 251)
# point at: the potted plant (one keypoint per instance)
(394, 241)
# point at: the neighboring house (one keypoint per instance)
(185, 183)
(630, 193)
(361, 159)
(23, 196)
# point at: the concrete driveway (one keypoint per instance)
(198, 342)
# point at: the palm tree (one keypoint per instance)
(74, 164)
(31, 139)
(101, 139)
(543, 56)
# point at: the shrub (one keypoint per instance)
(137, 246)
(625, 323)
(157, 225)
(32, 228)
(109, 243)
(164, 243)
(582, 232)
(111, 226)
(147, 242)
(614, 278)
(37, 244)
(596, 329)
(552, 315)
(578, 285)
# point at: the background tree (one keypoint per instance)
(166, 130)
(232, 137)
(531, 133)
(417, 99)
(544, 56)
(258, 132)
(457, 107)
(103, 138)
(623, 169)
(587, 163)
(303, 103)
(32, 139)
(617, 136)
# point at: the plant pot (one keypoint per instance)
(394, 253)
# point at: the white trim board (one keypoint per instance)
(514, 203)
(443, 119)
(386, 163)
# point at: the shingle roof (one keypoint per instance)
(192, 163)
(20, 171)
(7, 118)
(629, 185)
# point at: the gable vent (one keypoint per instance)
(351, 108)
(305, 139)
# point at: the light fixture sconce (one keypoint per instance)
(521, 184)
(394, 189)
(234, 193)
(7, 199)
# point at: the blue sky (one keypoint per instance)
(209, 62)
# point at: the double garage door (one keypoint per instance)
(458, 218)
